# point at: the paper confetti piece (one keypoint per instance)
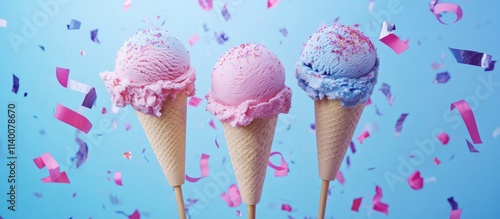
(193, 39)
(469, 119)
(3, 22)
(469, 57)
(127, 126)
(495, 133)
(371, 5)
(348, 161)
(82, 52)
(74, 25)
(212, 124)
(377, 111)
(443, 138)
(127, 155)
(82, 153)
(399, 124)
(206, 4)
(368, 102)
(221, 38)
(286, 207)
(55, 176)
(194, 101)
(15, 83)
(272, 3)
(442, 78)
(203, 169)
(282, 169)
(436, 161)
(38, 195)
(455, 214)
(447, 7)
(232, 197)
(41, 47)
(225, 13)
(93, 36)
(353, 147)
(437, 66)
(135, 215)
(390, 39)
(377, 204)
(356, 203)
(363, 136)
(62, 75)
(238, 213)
(415, 181)
(386, 90)
(284, 32)
(340, 177)
(118, 178)
(453, 203)
(72, 118)
(127, 4)
(471, 147)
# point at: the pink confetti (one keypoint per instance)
(455, 214)
(371, 5)
(415, 181)
(448, 7)
(193, 39)
(340, 177)
(104, 111)
(72, 118)
(127, 126)
(55, 176)
(282, 169)
(203, 169)
(135, 215)
(206, 4)
(436, 161)
(443, 138)
(390, 39)
(377, 204)
(238, 213)
(127, 4)
(471, 147)
(127, 155)
(363, 136)
(232, 197)
(437, 66)
(468, 117)
(286, 207)
(3, 22)
(194, 101)
(272, 3)
(212, 124)
(118, 178)
(368, 102)
(82, 52)
(356, 203)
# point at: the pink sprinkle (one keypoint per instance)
(443, 138)
(356, 203)
(340, 177)
(193, 39)
(127, 4)
(363, 136)
(118, 178)
(212, 124)
(206, 4)
(194, 101)
(272, 3)
(415, 181)
(377, 204)
(286, 207)
(436, 161)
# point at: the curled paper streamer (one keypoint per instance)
(447, 7)
(62, 75)
(378, 205)
(399, 124)
(72, 118)
(356, 203)
(55, 176)
(206, 4)
(415, 181)
(232, 197)
(469, 57)
(390, 39)
(203, 169)
(118, 178)
(282, 169)
(468, 117)
(455, 214)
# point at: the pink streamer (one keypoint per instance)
(194, 101)
(193, 39)
(272, 3)
(391, 40)
(46, 160)
(232, 197)
(118, 178)
(206, 4)
(363, 136)
(443, 138)
(203, 169)
(448, 7)
(340, 177)
(62, 75)
(468, 117)
(72, 118)
(377, 204)
(415, 181)
(455, 214)
(282, 169)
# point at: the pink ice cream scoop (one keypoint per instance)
(151, 66)
(248, 82)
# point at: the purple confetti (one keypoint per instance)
(453, 203)
(15, 83)
(377, 111)
(93, 36)
(225, 13)
(42, 47)
(348, 161)
(221, 38)
(472, 149)
(284, 31)
(74, 25)
(313, 127)
(442, 78)
(25, 94)
(386, 90)
(114, 200)
(90, 99)
(353, 148)
(399, 124)
(81, 155)
(468, 57)
(216, 143)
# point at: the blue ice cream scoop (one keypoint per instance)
(338, 62)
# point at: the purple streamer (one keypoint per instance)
(469, 57)
(442, 78)
(399, 124)
(386, 90)
(81, 155)
(15, 83)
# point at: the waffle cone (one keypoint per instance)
(249, 148)
(167, 136)
(335, 127)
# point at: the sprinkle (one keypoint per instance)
(104, 111)
(203, 169)
(348, 161)
(340, 177)
(377, 204)
(194, 101)
(471, 147)
(312, 127)
(386, 90)
(415, 181)
(3, 22)
(363, 136)
(82, 153)
(272, 3)
(447, 7)
(356, 203)
(15, 83)
(232, 197)
(282, 169)
(442, 78)
(399, 124)
(212, 124)
(127, 155)
(72, 118)
(469, 57)
(127, 4)
(495, 133)
(74, 25)
(118, 178)
(468, 117)
(390, 39)
(286, 207)
(193, 39)
(436, 161)
(55, 176)
(206, 4)
(93, 36)
(443, 138)
(25, 94)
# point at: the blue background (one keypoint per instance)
(471, 178)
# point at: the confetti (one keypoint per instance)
(455, 214)
(38, 195)
(371, 5)
(216, 143)
(386, 90)
(286, 207)
(194, 101)
(495, 133)
(363, 136)
(104, 111)
(206, 4)
(114, 200)
(453, 204)
(436, 161)
(203, 169)
(340, 177)
(238, 213)
(447, 7)
(353, 148)
(55, 176)
(127, 4)
(74, 25)
(221, 38)
(356, 203)
(127, 155)
(193, 40)
(284, 32)
(72, 118)
(93, 36)
(3, 22)
(15, 83)
(82, 52)
(348, 161)
(399, 124)
(442, 78)
(41, 47)
(390, 39)
(377, 111)
(468, 117)
(282, 169)
(118, 178)
(225, 13)
(437, 66)
(62, 75)
(82, 153)
(471, 147)
(415, 181)
(232, 197)
(377, 204)
(272, 3)
(135, 215)
(432, 4)
(368, 102)
(212, 124)
(469, 57)
(127, 126)
(443, 138)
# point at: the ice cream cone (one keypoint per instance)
(249, 148)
